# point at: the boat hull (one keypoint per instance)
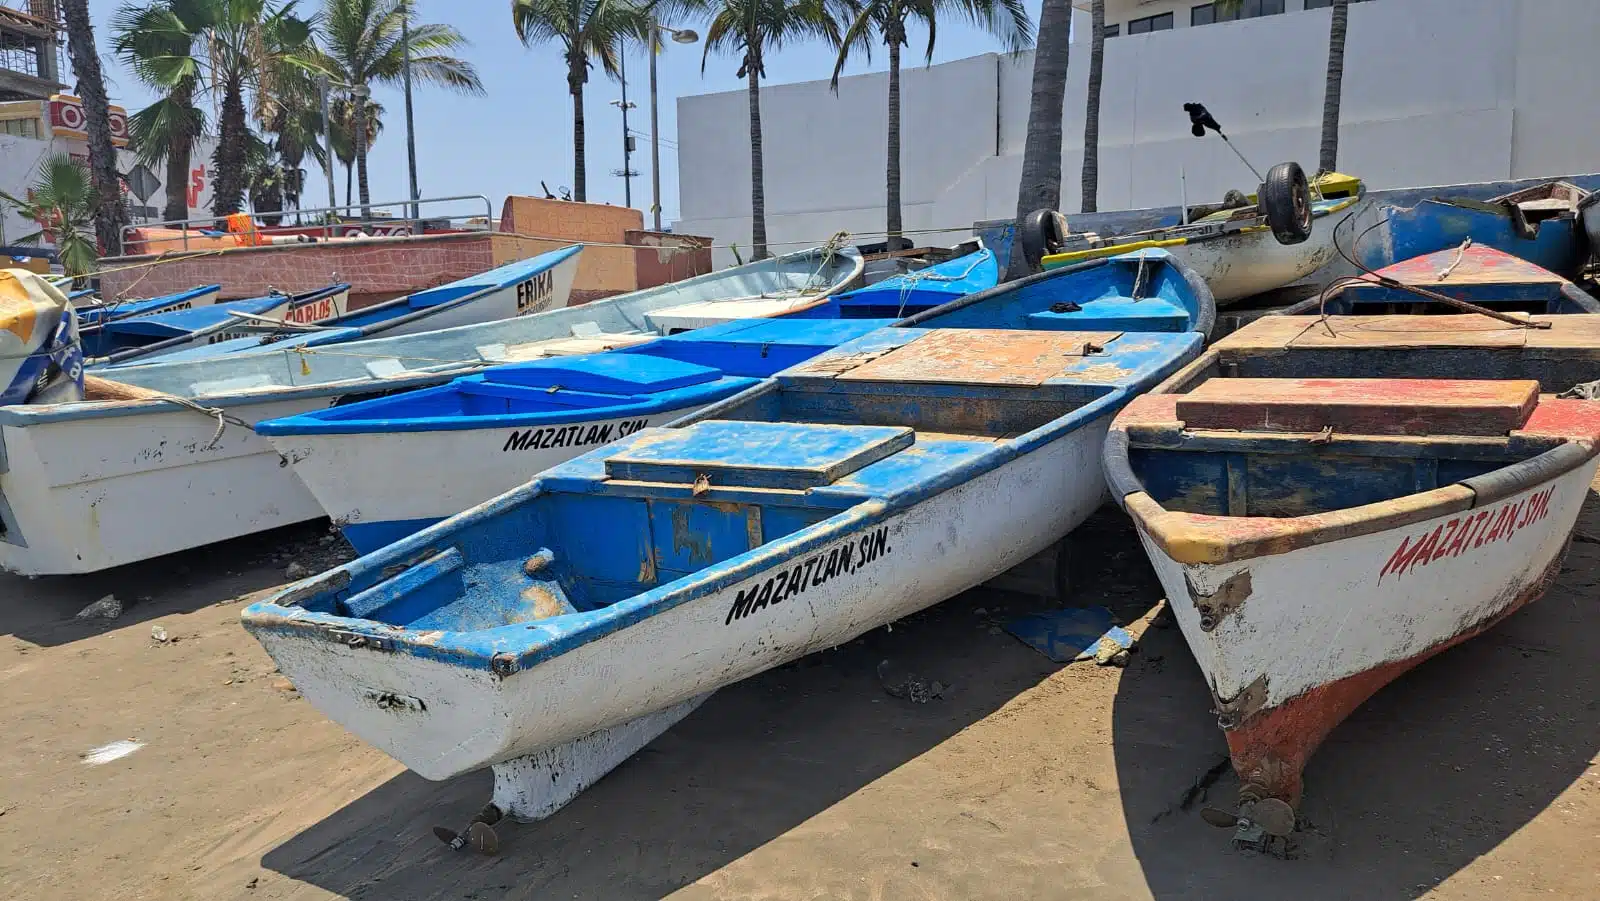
(1432, 225)
(353, 476)
(1252, 262)
(1319, 629)
(443, 720)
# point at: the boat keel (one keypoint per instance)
(1270, 748)
(531, 788)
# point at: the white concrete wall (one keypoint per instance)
(1435, 92)
(19, 163)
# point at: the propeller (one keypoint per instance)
(479, 835)
(1274, 816)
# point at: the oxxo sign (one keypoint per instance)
(533, 295)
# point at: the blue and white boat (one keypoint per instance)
(521, 419)
(518, 420)
(92, 312)
(556, 629)
(89, 486)
(525, 287)
(131, 337)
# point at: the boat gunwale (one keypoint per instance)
(110, 308)
(293, 301)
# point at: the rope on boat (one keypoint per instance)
(1461, 254)
(223, 417)
(910, 280)
(1370, 277)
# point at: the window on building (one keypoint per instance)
(1207, 13)
(1324, 4)
(1113, 30)
(1162, 22)
(22, 128)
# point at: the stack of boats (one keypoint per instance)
(576, 525)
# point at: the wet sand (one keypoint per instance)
(1473, 777)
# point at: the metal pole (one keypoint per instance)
(655, 133)
(411, 139)
(327, 136)
(627, 173)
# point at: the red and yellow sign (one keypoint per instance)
(68, 120)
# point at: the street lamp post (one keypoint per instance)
(681, 36)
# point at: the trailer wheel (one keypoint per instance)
(1286, 202)
(1042, 232)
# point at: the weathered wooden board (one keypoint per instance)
(981, 356)
(1361, 406)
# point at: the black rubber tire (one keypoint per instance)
(1285, 200)
(1039, 234)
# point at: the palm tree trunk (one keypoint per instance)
(895, 224)
(580, 177)
(758, 191)
(112, 213)
(1091, 116)
(1329, 157)
(232, 132)
(349, 174)
(179, 151)
(360, 115)
(1040, 187)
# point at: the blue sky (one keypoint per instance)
(521, 131)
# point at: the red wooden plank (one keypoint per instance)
(1361, 406)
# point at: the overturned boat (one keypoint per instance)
(1328, 504)
(1258, 243)
(558, 628)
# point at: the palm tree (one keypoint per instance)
(750, 28)
(362, 47)
(341, 118)
(63, 202)
(1091, 116)
(1005, 19)
(158, 42)
(111, 214)
(1040, 187)
(1328, 158)
(586, 30)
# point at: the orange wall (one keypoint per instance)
(602, 271)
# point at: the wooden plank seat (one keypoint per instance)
(1361, 406)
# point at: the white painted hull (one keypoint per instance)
(1321, 614)
(89, 494)
(354, 476)
(1249, 263)
(467, 719)
(538, 293)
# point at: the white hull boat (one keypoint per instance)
(521, 419)
(88, 486)
(554, 630)
(1320, 535)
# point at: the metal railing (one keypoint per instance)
(335, 222)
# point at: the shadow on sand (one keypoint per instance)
(43, 610)
(1435, 771)
(758, 759)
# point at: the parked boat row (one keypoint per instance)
(610, 511)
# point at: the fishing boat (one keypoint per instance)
(526, 287)
(1482, 276)
(92, 312)
(518, 420)
(164, 459)
(130, 337)
(1538, 224)
(1262, 242)
(556, 629)
(909, 288)
(1328, 503)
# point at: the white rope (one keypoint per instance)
(910, 280)
(1461, 253)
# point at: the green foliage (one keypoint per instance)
(63, 202)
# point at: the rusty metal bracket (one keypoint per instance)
(1235, 710)
(1223, 600)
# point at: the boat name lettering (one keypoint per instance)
(1467, 532)
(572, 435)
(219, 337)
(534, 294)
(178, 306)
(847, 558)
(315, 311)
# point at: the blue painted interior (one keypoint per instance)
(794, 465)
(148, 331)
(96, 315)
(913, 292)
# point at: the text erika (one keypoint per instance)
(842, 560)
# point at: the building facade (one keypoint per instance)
(1435, 92)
